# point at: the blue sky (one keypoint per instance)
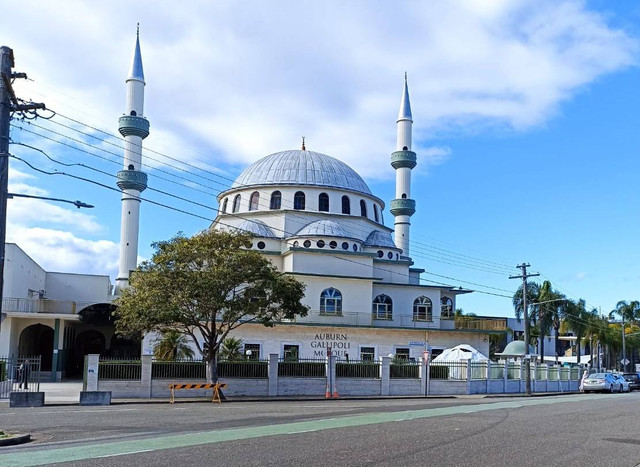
(526, 126)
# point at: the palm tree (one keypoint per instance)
(549, 310)
(173, 345)
(533, 292)
(575, 319)
(629, 312)
(231, 349)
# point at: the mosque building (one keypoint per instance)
(312, 215)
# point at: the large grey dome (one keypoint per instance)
(299, 167)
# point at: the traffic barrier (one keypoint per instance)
(215, 386)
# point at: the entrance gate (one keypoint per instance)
(19, 374)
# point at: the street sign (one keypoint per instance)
(418, 343)
(626, 361)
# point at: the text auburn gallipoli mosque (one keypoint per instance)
(311, 214)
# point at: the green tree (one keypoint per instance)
(173, 345)
(206, 286)
(533, 291)
(549, 305)
(231, 349)
(575, 319)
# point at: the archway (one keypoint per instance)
(37, 339)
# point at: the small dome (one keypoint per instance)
(301, 167)
(257, 228)
(324, 228)
(379, 238)
(515, 349)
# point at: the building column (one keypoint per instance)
(56, 346)
(423, 375)
(145, 376)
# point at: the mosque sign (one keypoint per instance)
(338, 342)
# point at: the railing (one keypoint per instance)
(453, 370)
(119, 370)
(404, 370)
(480, 324)
(303, 368)
(497, 371)
(179, 369)
(36, 305)
(358, 369)
(243, 369)
(19, 374)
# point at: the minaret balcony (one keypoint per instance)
(133, 125)
(132, 180)
(401, 159)
(402, 207)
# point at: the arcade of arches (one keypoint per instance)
(90, 332)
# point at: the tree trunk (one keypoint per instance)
(212, 370)
(578, 340)
(557, 329)
(541, 347)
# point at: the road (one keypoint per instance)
(568, 430)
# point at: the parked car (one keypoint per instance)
(633, 379)
(601, 382)
(624, 384)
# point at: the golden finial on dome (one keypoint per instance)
(304, 148)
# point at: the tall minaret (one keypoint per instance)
(403, 160)
(134, 128)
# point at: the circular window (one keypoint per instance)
(390, 255)
(307, 243)
(345, 246)
(355, 247)
(296, 244)
(333, 245)
(320, 243)
(380, 253)
(261, 245)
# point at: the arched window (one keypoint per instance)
(422, 309)
(346, 205)
(323, 202)
(331, 301)
(404, 196)
(446, 308)
(236, 204)
(224, 205)
(363, 208)
(276, 200)
(254, 201)
(298, 200)
(375, 213)
(382, 307)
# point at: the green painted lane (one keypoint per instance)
(51, 455)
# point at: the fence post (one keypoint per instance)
(522, 377)
(145, 376)
(488, 376)
(385, 376)
(273, 374)
(469, 376)
(91, 376)
(534, 376)
(505, 376)
(423, 376)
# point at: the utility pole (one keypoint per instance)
(8, 103)
(527, 356)
(624, 349)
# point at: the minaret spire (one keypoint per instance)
(403, 160)
(131, 180)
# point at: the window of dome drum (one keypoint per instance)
(254, 201)
(355, 247)
(236, 204)
(382, 307)
(307, 243)
(346, 205)
(261, 245)
(320, 243)
(323, 202)
(422, 309)
(224, 205)
(298, 200)
(380, 253)
(363, 208)
(331, 301)
(296, 244)
(390, 255)
(345, 246)
(375, 213)
(276, 200)
(446, 308)
(333, 244)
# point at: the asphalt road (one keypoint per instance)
(569, 430)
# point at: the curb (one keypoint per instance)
(16, 439)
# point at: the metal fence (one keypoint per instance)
(358, 369)
(179, 369)
(19, 374)
(404, 370)
(243, 369)
(119, 370)
(303, 368)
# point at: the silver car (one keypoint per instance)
(601, 382)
